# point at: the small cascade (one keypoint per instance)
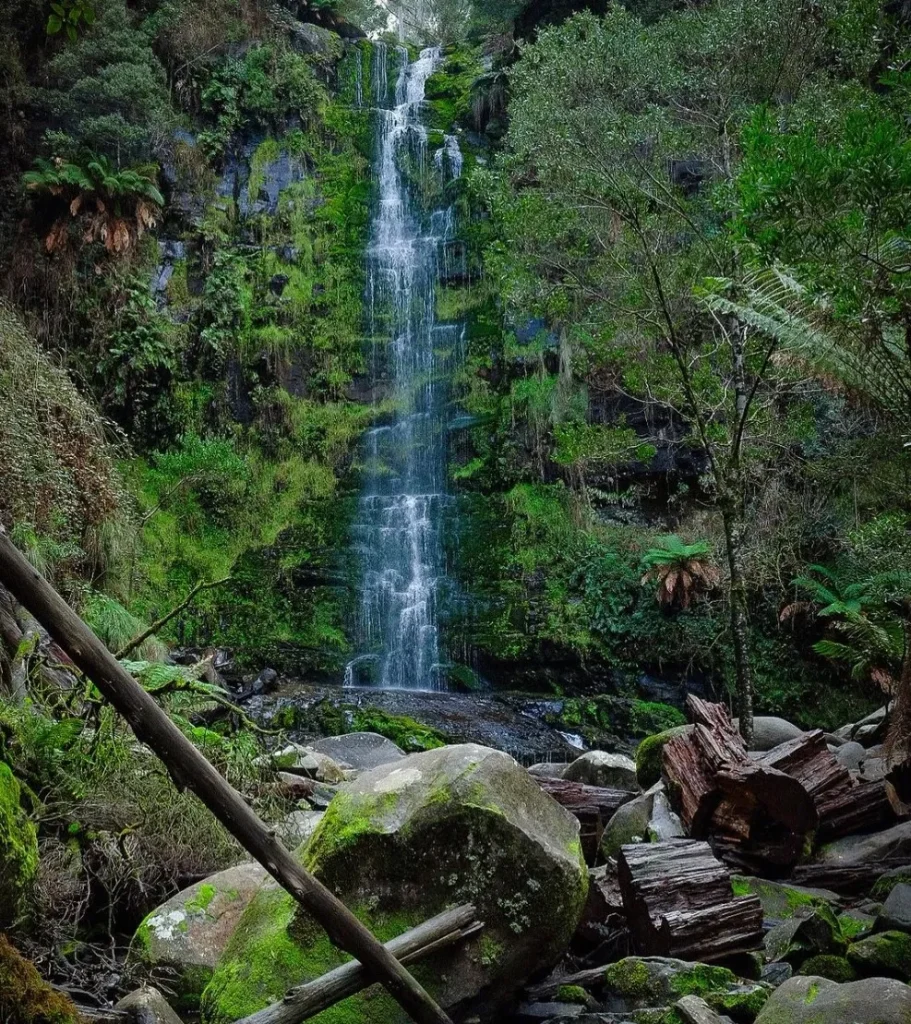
(449, 159)
(398, 529)
(359, 80)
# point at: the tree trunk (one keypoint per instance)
(189, 768)
(732, 517)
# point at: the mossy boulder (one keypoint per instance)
(812, 933)
(807, 1000)
(18, 849)
(780, 901)
(654, 981)
(600, 768)
(835, 968)
(649, 754)
(184, 939)
(888, 881)
(399, 845)
(25, 998)
(628, 824)
(886, 955)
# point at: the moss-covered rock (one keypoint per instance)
(740, 1002)
(186, 936)
(18, 849)
(656, 981)
(399, 845)
(835, 968)
(886, 955)
(780, 901)
(25, 998)
(649, 753)
(811, 933)
(806, 1000)
(628, 824)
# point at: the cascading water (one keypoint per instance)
(397, 532)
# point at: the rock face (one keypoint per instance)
(806, 1000)
(361, 750)
(186, 936)
(401, 844)
(894, 842)
(769, 732)
(18, 849)
(896, 912)
(598, 768)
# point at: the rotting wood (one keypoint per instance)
(593, 806)
(306, 1001)
(679, 902)
(191, 769)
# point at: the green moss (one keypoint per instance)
(573, 994)
(25, 998)
(852, 927)
(887, 882)
(18, 849)
(835, 968)
(740, 1004)
(700, 979)
(490, 951)
(779, 900)
(203, 898)
(886, 955)
(405, 732)
(649, 754)
(629, 977)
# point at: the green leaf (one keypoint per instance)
(88, 14)
(54, 25)
(71, 32)
(59, 9)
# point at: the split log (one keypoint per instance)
(693, 782)
(308, 1000)
(679, 902)
(593, 806)
(860, 807)
(189, 768)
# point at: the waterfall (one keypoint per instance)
(397, 532)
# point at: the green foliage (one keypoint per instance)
(69, 16)
(96, 175)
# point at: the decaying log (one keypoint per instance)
(594, 806)
(690, 778)
(861, 807)
(191, 769)
(308, 1000)
(679, 902)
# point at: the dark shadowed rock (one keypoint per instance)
(890, 844)
(886, 955)
(896, 912)
(148, 1006)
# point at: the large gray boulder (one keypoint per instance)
(148, 1006)
(398, 846)
(769, 732)
(810, 1000)
(361, 750)
(628, 824)
(896, 912)
(890, 844)
(599, 768)
(183, 940)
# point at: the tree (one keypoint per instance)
(683, 572)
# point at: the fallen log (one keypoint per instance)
(593, 806)
(679, 902)
(860, 807)
(190, 769)
(308, 1000)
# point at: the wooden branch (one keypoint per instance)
(308, 1000)
(141, 638)
(186, 764)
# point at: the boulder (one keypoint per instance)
(18, 850)
(649, 754)
(896, 912)
(855, 923)
(297, 828)
(776, 974)
(695, 1010)
(549, 769)
(148, 1006)
(184, 938)
(807, 1000)
(781, 901)
(798, 939)
(628, 824)
(851, 755)
(399, 845)
(869, 731)
(664, 824)
(312, 764)
(889, 879)
(827, 965)
(886, 955)
(361, 750)
(537, 1013)
(874, 769)
(599, 768)
(769, 732)
(891, 843)
(643, 981)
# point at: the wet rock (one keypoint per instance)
(888, 880)
(185, 937)
(298, 827)
(312, 764)
(891, 843)
(869, 731)
(311, 39)
(18, 849)
(806, 1000)
(695, 1010)
(148, 1006)
(599, 768)
(851, 755)
(637, 982)
(800, 938)
(549, 769)
(534, 1013)
(362, 750)
(781, 901)
(886, 955)
(776, 974)
(896, 912)
(400, 844)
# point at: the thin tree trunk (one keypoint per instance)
(740, 624)
(189, 768)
